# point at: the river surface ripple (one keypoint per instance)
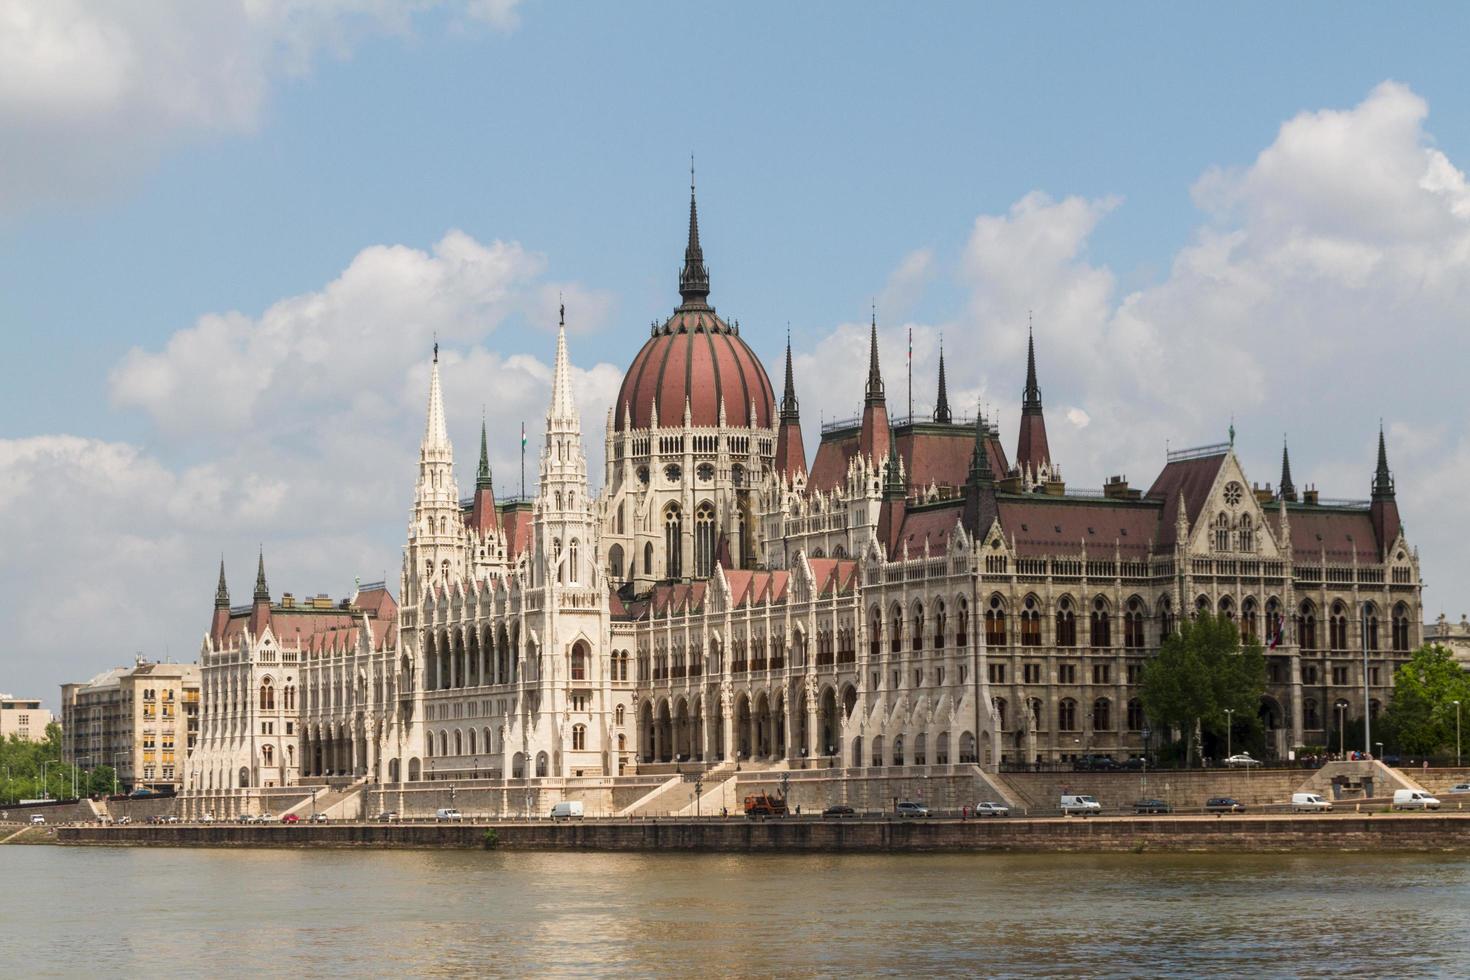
(70, 911)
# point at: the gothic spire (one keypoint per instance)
(941, 403)
(694, 279)
(436, 435)
(1031, 399)
(563, 406)
(789, 405)
(482, 476)
(1382, 478)
(875, 376)
(222, 591)
(1287, 489)
(262, 591)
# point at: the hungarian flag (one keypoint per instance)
(523, 437)
(1276, 637)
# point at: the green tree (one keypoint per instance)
(1420, 717)
(1200, 672)
(103, 780)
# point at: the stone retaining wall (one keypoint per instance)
(1415, 832)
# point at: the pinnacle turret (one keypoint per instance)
(790, 407)
(222, 591)
(1031, 397)
(482, 475)
(1382, 478)
(874, 391)
(262, 591)
(980, 471)
(941, 402)
(1287, 489)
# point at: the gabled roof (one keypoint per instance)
(932, 524)
(1194, 478)
(829, 574)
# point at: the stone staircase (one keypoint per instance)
(340, 803)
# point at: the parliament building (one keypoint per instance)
(921, 594)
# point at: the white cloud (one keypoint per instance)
(90, 93)
(1078, 417)
(334, 352)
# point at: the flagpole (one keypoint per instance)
(523, 460)
(911, 374)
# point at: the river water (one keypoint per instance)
(69, 911)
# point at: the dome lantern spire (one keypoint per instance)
(694, 278)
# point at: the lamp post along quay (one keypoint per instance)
(1457, 734)
(1367, 715)
(1229, 731)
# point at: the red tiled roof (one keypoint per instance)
(1340, 533)
(516, 522)
(1043, 525)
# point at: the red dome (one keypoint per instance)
(697, 357)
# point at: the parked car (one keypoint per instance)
(206, 818)
(1152, 806)
(1132, 764)
(448, 813)
(1094, 763)
(1242, 760)
(1413, 799)
(170, 818)
(124, 819)
(266, 817)
(908, 808)
(1309, 803)
(1073, 803)
(1459, 788)
(388, 816)
(1224, 804)
(840, 810)
(990, 808)
(318, 818)
(37, 818)
(290, 818)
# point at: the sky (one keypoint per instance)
(231, 232)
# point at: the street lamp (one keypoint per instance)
(1229, 730)
(1457, 734)
(1341, 723)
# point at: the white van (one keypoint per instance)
(448, 813)
(1413, 799)
(1079, 804)
(567, 810)
(1309, 803)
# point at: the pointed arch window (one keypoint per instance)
(995, 623)
(1133, 619)
(1306, 627)
(1102, 629)
(704, 540)
(673, 540)
(1247, 534)
(1401, 628)
(1337, 628)
(1031, 623)
(1066, 624)
(572, 565)
(1222, 532)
